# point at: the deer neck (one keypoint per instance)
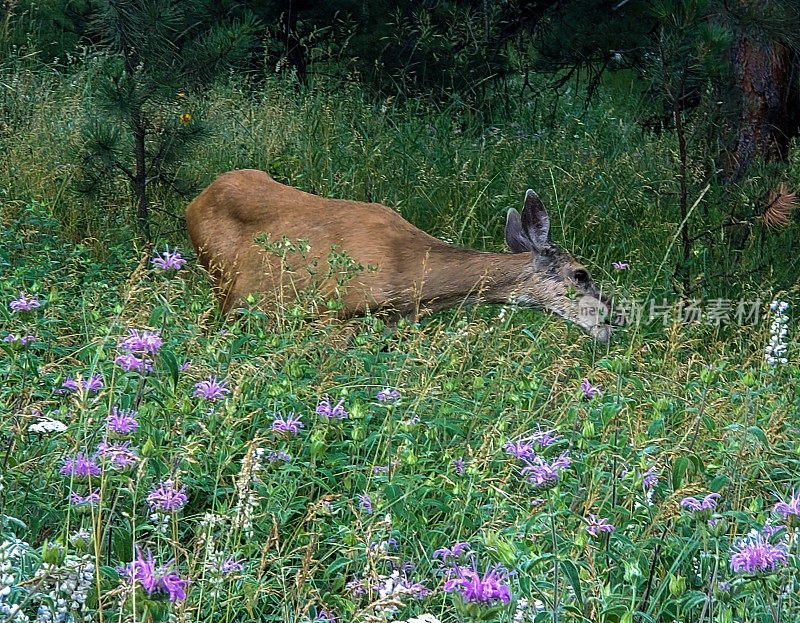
(453, 276)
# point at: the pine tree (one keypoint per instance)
(151, 53)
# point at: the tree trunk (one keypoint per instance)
(294, 49)
(762, 68)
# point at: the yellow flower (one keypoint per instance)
(186, 117)
(181, 96)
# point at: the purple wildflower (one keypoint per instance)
(122, 422)
(146, 342)
(589, 390)
(289, 425)
(390, 543)
(119, 455)
(595, 526)
(15, 339)
(79, 467)
(129, 361)
(70, 384)
(166, 498)
(481, 590)
(229, 565)
(169, 260)
(159, 580)
(544, 438)
(89, 500)
(791, 509)
(338, 412)
(649, 479)
(770, 531)
(384, 469)
(365, 502)
(387, 394)
(523, 450)
(620, 265)
(325, 616)
(356, 587)
(274, 457)
(185, 366)
(453, 552)
(458, 465)
(397, 584)
(24, 303)
(210, 389)
(545, 475)
(708, 503)
(92, 383)
(755, 555)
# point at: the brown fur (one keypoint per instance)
(406, 271)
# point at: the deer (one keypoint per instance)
(406, 272)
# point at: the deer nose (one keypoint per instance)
(602, 333)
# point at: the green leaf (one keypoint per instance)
(394, 494)
(679, 468)
(571, 573)
(757, 432)
(656, 426)
(171, 363)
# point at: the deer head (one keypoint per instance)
(555, 280)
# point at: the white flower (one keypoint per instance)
(422, 618)
(775, 351)
(46, 425)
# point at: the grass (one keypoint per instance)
(471, 381)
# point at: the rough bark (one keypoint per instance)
(767, 120)
(295, 53)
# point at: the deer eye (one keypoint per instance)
(581, 276)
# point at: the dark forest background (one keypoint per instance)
(714, 82)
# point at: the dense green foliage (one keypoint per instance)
(695, 406)
(471, 381)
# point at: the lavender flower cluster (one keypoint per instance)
(138, 349)
(542, 474)
(25, 303)
(757, 555)
(211, 389)
(169, 260)
(336, 412)
(90, 383)
(152, 578)
(486, 589)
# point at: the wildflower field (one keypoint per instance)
(161, 463)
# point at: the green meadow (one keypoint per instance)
(244, 495)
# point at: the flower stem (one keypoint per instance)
(555, 557)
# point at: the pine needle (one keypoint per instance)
(779, 207)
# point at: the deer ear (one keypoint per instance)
(517, 241)
(535, 221)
